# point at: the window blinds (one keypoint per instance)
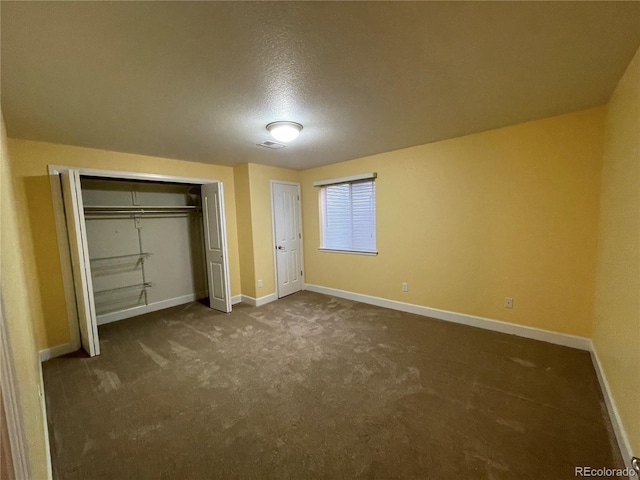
(349, 216)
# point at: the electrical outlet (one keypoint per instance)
(259, 283)
(405, 287)
(508, 302)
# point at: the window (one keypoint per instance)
(348, 214)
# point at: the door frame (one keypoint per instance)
(273, 233)
(12, 409)
(64, 246)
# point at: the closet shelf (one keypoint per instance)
(139, 209)
(119, 258)
(139, 286)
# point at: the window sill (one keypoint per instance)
(351, 252)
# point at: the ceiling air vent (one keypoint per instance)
(271, 145)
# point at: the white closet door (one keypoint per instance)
(215, 239)
(74, 211)
(287, 233)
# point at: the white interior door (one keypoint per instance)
(215, 239)
(287, 237)
(74, 212)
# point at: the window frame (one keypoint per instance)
(370, 177)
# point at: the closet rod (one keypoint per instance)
(137, 215)
(118, 257)
(140, 209)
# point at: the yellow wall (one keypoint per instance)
(245, 235)
(472, 220)
(18, 304)
(260, 181)
(37, 233)
(616, 336)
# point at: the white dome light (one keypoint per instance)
(284, 131)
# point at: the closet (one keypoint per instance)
(146, 247)
(141, 245)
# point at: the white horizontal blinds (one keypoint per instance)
(337, 216)
(349, 217)
(363, 207)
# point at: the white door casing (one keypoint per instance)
(287, 235)
(215, 238)
(83, 286)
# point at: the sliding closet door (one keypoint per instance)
(215, 239)
(74, 211)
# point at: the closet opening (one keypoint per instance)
(139, 244)
(146, 245)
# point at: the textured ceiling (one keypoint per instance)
(199, 81)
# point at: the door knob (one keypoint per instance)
(280, 247)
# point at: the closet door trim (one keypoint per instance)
(118, 175)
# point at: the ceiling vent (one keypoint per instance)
(271, 145)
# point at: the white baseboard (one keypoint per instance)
(152, 307)
(618, 428)
(258, 302)
(57, 351)
(236, 299)
(248, 300)
(573, 341)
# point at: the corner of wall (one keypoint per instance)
(616, 328)
(18, 314)
(245, 234)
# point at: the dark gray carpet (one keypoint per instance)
(312, 386)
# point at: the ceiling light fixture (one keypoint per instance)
(284, 131)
